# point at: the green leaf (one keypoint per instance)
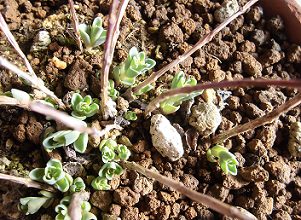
(123, 152)
(31, 205)
(107, 154)
(52, 175)
(168, 108)
(78, 185)
(37, 174)
(62, 184)
(83, 107)
(110, 169)
(88, 216)
(109, 143)
(130, 115)
(80, 145)
(100, 183)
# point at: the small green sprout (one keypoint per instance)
(93, 35)
(172, 104)
(100, 183)
(108, 170)
(62, 210)
(77, 185)
(113, 93)
(31, 205)
(110, 151)
(130, 115)
(83, 107)
(136, 64)
(53, 174)
(65, 138)
(226, 160)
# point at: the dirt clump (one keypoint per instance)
(34, 130)
(102, 200)
(76, 78)
(254, 173)
(250, 65)
(172, 33)
(125, 197)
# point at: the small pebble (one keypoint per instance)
(59, 63)
(227, 9)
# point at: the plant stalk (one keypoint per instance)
(223, 84)
(266, 119)
(75, 25)
(211, 202)
(116, 13)
(4, 27)
(27, 182)
(34, 82)
(204, 40)
(74, 208)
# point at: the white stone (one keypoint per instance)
(205, 117)
(41, 41)
(227, 9)
(165, 138)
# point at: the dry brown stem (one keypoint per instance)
(224, 84)
(33, 81)
(74, 208)
(204, 40)
(266, 119)
(75, 25)
(115, 18)
(4, 27)
(211, 202)
(27, 182)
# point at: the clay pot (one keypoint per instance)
(290, 11)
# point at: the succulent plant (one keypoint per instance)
(77, 185)
(130, 115)
(93, 35)
(62, 210)
(111, 151)
(108, 170)
(65, 138)
(226, 160)
(172, 104)
(83, 107)
(53, 174)
(113, 93)
(31, 205)
(100, 183)
(135, 65)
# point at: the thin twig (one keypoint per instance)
(70, 121)
(115, 18)
(75, 25)
(34, 82)
(213, 85)
(4, 27)
(74, 208)
(207, 38)
(27, 182)
(211, 202)
(5, 100)
(266, 119)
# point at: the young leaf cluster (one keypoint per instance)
(62, 210)
(225, 159)
(93, 35)
(173, 103)
(53, 174)
(110, 152)
(65, 138)
(83, 108)
(31, 205)
(136, 64)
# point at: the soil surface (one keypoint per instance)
(268, 183)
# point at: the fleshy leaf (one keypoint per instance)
(37, 174)
(100, 183)
(80, 145)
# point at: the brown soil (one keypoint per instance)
(268, 182)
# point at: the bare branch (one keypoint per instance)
(115, 18)
(207, 38)
(5, 100)
(27, 182)
(211, 202)
(4, 27)
(74, 208)
(266, 119)
(34, 82)
(75, 25)
(70, 121)
(213, 85)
